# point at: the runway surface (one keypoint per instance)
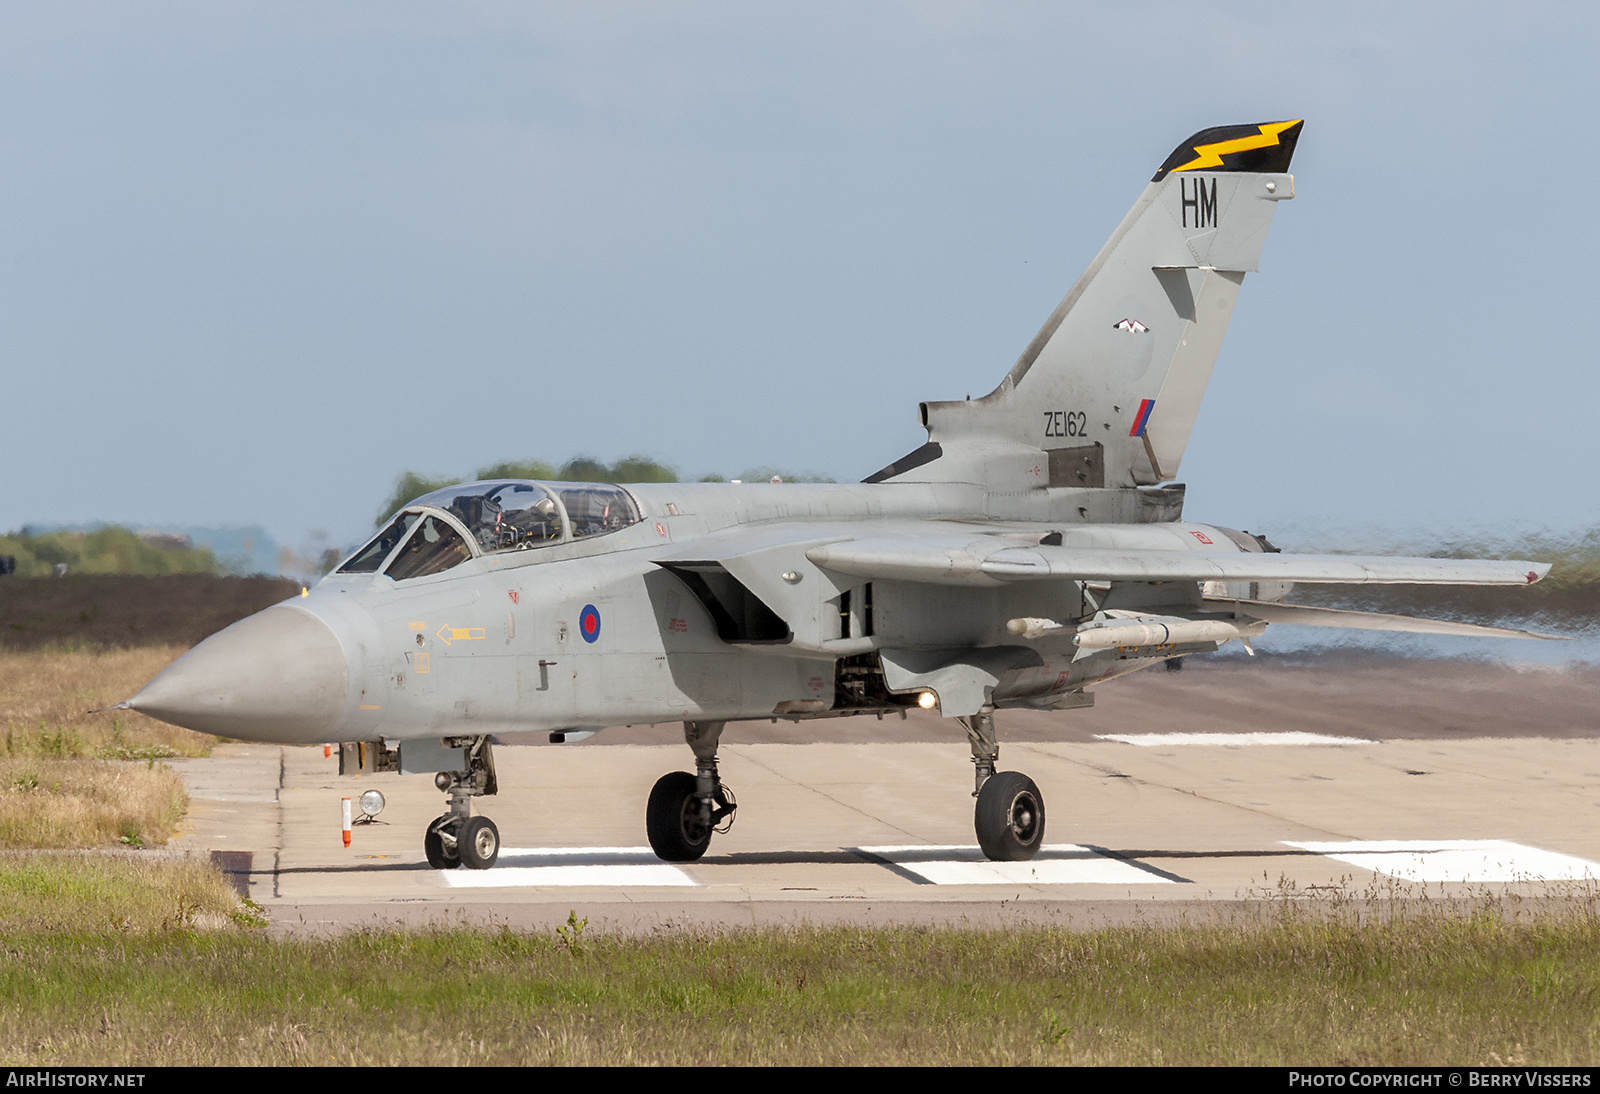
(1189, 795)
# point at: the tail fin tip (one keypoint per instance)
(1263, 148)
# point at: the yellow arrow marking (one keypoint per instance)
(448, 635)
(1210, 155)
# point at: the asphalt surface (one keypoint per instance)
(1193, 795)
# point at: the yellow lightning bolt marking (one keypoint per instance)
(1210, 155)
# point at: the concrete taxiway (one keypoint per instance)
(1183, 795)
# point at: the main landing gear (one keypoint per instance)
(1009, 817)
(457, 838)
(684, 809)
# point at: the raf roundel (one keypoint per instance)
(589, 623)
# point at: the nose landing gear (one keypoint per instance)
(457, 838)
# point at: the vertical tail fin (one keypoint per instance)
(1107, 393)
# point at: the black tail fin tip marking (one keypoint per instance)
(1263, 149)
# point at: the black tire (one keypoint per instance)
(1009, 817)
(433, 847)
(672, 819)
(479, 843)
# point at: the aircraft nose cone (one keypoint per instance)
(279, 675)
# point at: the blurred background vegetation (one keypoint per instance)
(108, 550)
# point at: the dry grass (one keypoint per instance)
(45, 697)
(66, 779)
(88, 803)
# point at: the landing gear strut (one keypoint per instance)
(684, 809)
(457, 838)
(1009, 817)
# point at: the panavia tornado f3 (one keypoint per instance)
(1033, 548)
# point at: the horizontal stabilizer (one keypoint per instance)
(1309, 616)
(952, 561)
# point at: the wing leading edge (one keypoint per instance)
(964, 562)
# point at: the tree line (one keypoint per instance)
(109, 550)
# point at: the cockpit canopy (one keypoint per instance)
(496, 516)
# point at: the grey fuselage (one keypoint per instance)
(497, 643)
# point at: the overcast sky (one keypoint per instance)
(256, 260)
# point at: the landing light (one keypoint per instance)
(927, 700)
(372, 803)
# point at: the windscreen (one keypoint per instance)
(432, 548)
(369, 558)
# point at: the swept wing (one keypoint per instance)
(972, 562)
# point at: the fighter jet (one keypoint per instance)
(1033, 549)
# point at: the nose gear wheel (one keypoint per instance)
(479, 843)
(439, 843)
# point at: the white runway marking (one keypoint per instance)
(1056, 864)
(567, 866)
(1164, 740)
(1480, 861)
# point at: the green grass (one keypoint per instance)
(122, 968)
(97, 896)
